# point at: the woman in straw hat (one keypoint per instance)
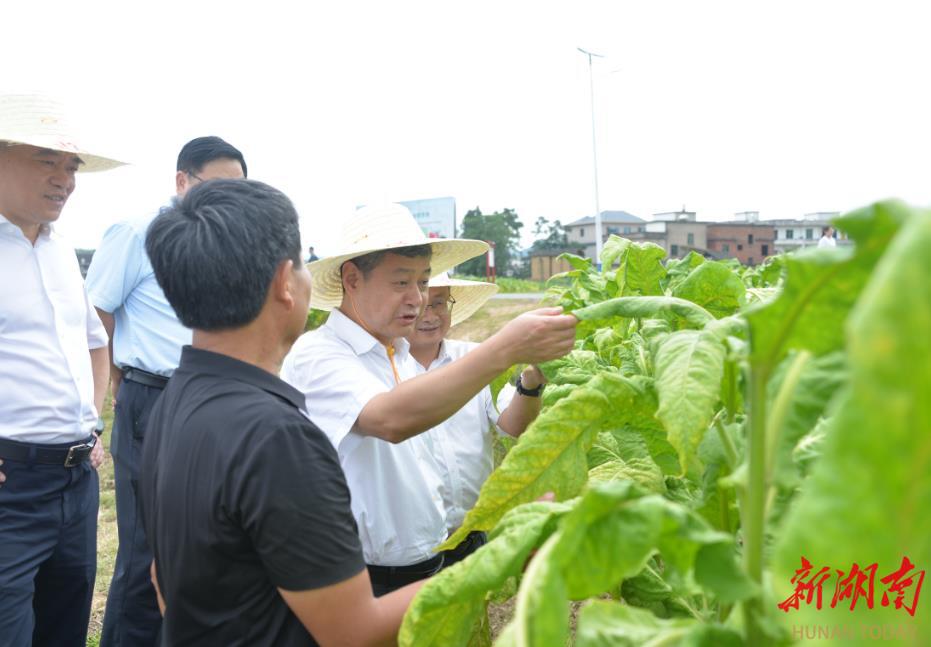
(362, 389)
(463, 444)
(53, 377)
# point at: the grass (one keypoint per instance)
(479, 327)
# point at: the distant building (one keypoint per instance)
(545, 263)
(796, 233)
(748, 242)
(581, 233)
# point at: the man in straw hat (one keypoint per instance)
(362, 389)
(245, 505)
(463, 443)
(146, 339)
(53, 377)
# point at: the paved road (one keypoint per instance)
(533, 296)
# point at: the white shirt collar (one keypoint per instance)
(357, 337)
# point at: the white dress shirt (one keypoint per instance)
(397, 505)
(47, 327)
(464, 443)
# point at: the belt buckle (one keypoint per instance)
(71, 459)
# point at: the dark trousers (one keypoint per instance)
(131, 618)
(386, 579)
(48, 553)
(473, 541)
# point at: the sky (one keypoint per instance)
(783, 108)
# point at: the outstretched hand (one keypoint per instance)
(539, 336)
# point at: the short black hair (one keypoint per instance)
(368, 262)
(203, 150)
(216, 251)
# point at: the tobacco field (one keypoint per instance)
(716, 427)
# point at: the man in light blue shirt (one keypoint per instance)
(146, 340)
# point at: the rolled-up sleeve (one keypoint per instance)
(116, 267)
(96, 333)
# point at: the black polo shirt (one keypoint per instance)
(241, 494)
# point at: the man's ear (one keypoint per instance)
(282, 287)
(351, 276)
(181, 182)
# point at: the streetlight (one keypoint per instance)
(591, 85)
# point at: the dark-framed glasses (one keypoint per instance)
(441, 306)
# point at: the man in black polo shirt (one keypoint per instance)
(244, 502)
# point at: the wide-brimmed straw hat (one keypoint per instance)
(469, 295)
(40, 121)
(383, 228)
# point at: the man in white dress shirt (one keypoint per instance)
(463, 444)
(53, 377)
(362, 389)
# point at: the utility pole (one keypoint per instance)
(591, 84)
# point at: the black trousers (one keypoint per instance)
(132, 618)
(473, 541)
(48, 553)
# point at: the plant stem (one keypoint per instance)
(755, 501)
(730, 376)
(730, 452)
(777, 417)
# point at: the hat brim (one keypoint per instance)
(92, 163)
(327, 289)
(470, 296)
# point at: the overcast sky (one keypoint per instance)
(781, 107)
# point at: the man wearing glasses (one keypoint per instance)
(146, 339)
(463, 444)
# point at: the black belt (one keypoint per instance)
(425, 569)
(145, 378)
(64, 455)
(473, 541)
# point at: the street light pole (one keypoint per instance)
(591, 86)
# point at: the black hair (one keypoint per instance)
(216, 251)
(368, 262)
(203, 150)
(824, 230)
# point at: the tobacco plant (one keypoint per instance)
(714, 425)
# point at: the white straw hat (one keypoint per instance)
(469, 295)
(382, 228)
(40, 121)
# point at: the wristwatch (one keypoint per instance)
(101, 426)
(530, 393)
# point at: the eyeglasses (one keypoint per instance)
(196, 177)
(441, 306)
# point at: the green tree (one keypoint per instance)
(549, 235)
(501, 228)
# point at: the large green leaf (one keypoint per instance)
(689, 367)
(820, 288)
(819, 381)
(449, 604)
(868, 499)
(609, 624)
(714, 287)
(550, 455)
(640, 267)
(670, 308)
(677, 269)
(610, 535)
(622, 454)
(577, 367)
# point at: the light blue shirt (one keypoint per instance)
(120, 280)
